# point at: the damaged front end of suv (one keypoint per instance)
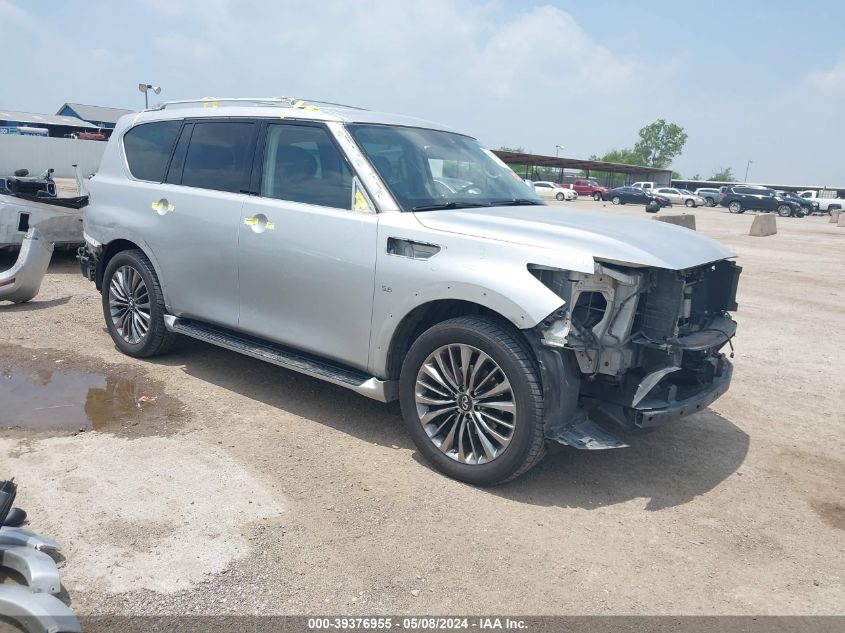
(638, 346)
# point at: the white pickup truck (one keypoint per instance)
(826, 204)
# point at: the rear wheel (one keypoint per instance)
(616, 200)
(472, 400)
(735, 207)
(710, 202)
(133, 306)
(807, 210)
(784, 210)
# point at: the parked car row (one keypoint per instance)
(742, 198)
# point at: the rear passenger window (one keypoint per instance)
(148, 147)
(219, 156)
(301, 164)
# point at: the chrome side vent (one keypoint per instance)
(411, 249)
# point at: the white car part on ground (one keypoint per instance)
(22, 281)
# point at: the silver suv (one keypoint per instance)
(402, 260)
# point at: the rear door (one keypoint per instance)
(306, 259)
(193, 220)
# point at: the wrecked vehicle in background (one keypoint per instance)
(34, 218)
(314, 236)
(26, 201)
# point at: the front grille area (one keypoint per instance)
(681, 302)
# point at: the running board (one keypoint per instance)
(359, 382)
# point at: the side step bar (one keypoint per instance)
(359, 382)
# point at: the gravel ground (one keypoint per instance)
(252, 490)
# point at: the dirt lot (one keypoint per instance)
(207, 482)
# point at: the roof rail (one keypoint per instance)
(259, 101)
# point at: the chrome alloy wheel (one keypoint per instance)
(129, 304)
(465, 404)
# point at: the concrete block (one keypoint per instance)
(835, 214)
(687, 221)
(764, 224)
(841, 221)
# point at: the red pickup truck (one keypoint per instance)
(590, 187)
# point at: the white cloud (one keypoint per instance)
(831, 81)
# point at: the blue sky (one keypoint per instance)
(761, 81)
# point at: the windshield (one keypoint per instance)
(430, 169)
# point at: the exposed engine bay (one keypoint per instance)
(646, 341)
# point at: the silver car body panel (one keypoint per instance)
(575, 238)
(323, 279)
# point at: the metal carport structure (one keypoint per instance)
(606, 173)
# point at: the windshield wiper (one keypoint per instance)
(514, 202)
(449, 205)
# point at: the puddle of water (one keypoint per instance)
(40, 394)
(67, 399)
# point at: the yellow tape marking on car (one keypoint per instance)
(159, 207)
(269, 226)
(360, 202)
(135, 120)
(210, 104)
(283, 115)
(250, 221)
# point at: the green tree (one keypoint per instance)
(624, 156)
(660, 142)
(723, 174)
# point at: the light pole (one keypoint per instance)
(558, 147)
(146, 87)
(747, 165)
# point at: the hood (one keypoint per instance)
(605, 237)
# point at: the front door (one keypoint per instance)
(306, 259)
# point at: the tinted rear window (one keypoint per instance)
(219, 156)
(148, 147)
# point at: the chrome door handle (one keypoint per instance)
(259, 223)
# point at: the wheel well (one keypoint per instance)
(425, 316)
(110, 250)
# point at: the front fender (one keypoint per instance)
(491, 274)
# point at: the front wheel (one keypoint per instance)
(133, 306)
(616, 200)
(596, 196)
(784, 210)
(472, 400)
(690, 203)
(560, 196)
(735, 207)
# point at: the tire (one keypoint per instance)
(132, 341)
(807, 211)
(560, 197)
(784, 210)
(689, 203)
(735, 207)
(596, 196)
(710, 202)
(616, 200)
(513, 362)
